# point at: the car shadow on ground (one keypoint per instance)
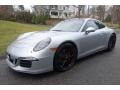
(89, 57)
(54, 73)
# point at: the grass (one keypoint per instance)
(10, 30)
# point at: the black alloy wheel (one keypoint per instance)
(65, 57)
(111, 43)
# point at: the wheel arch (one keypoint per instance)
(71, 42)
(113, 34)
(68, 41)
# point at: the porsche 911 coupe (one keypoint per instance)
(59, 47)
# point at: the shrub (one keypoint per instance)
(108, 18)
(39, 19)
(24, 16)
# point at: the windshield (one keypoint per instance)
(68, 26)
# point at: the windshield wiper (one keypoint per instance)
(56, 30)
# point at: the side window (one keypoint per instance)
(90, 23)
(100, 25)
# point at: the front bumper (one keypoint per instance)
(41, 65)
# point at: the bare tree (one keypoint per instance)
(88, 11)
(97, 11)
(92, 11)
(116, 14)
(100, 11)
(81, 10)
(42, 9)
(6, 9)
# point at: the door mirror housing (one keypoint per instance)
(90, 29)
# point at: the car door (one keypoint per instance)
(91, 41)
(102, 31)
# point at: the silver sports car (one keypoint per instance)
(59, 47)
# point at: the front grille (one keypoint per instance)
(25, 63)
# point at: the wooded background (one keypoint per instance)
(105, 13)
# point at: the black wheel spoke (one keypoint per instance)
(65, 57)
(112, 43)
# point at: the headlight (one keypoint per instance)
(42, 44)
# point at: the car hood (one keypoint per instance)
(32, 38)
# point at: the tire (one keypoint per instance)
(111, 42)
(65, 57)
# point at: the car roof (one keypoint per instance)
(77, 19)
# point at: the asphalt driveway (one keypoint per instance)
(100, 68)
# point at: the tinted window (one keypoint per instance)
(100, 25)
(90, 23)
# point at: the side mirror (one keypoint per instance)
(90, 29)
